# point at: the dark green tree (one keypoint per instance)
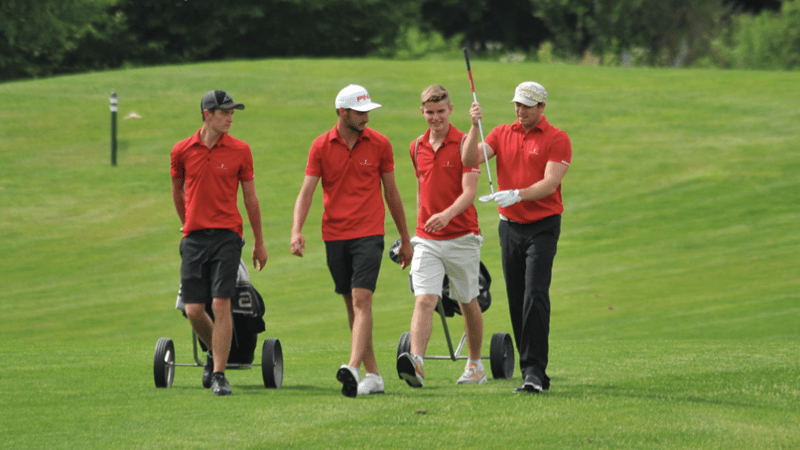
(37, 35)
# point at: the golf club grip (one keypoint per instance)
(469, 71)
(480, 126)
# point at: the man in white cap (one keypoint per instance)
(353, 161)
(532, 159)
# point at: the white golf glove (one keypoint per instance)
(507, 198)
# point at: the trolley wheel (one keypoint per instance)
(272, 363)
(164, 363)
(404, 345)
(501, 356)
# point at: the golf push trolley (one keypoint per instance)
(501, 348)
(247, 310)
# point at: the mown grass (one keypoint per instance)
(675, 293)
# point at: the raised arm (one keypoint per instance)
(472, 152)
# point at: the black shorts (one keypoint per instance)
(209, 265)
(355, 263)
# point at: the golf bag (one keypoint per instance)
(451, 307)
(247, 309)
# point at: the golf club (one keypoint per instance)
(487, 197)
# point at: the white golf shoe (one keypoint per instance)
(473, 374)
(370, 384)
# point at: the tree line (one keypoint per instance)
(46, 37)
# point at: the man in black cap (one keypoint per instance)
(206, 171)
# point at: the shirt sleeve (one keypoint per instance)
(493, 139)
(176, 164)
(387, 160)
(246, 173)
(314, 165)
(561, 149)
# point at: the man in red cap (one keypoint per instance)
(206, 170)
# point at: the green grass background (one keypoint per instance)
(675, 293)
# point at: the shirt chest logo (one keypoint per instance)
(365, 163)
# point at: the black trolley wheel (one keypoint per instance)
(404, 345)
(501, 356)
(164, 363)
(272, 363)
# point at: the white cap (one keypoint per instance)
(355, 97)
(529, 93)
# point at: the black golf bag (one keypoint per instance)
(247, 309)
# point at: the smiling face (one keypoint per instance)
(437, 115)
(529, 116)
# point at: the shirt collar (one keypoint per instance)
(224, 140)
(541, 126)
(333, 134)
(450, 138)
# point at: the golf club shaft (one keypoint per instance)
(480, 126)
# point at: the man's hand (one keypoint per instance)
(405, 254)
(475, 113)
(507, 198)
(298, 244)
(260, 257)
(437, 222)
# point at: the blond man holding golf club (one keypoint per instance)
(353, 161)
(448, 239)
(532, 159)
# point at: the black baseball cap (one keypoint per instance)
(219, 99)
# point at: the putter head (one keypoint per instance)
(486, 198)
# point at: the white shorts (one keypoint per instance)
(459, 258)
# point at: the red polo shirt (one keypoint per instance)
(440, 175)
(351, 183)
(521, 161)
(212, 179)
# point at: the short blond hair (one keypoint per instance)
(434, 93)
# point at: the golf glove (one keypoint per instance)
(507, 198)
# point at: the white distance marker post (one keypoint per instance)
(114, 106)
(488, 197)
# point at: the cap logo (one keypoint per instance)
(362, 97)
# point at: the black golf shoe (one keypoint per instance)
(531, 385)
(219, 385)
(208, 369)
